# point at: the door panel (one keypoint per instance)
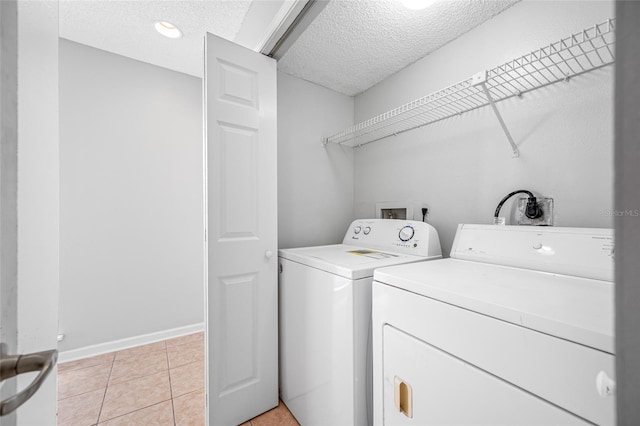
(238, 321)
(238, 181)
(238, 85)
(241, 293)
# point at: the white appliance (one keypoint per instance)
(325, 317)
(517, 327)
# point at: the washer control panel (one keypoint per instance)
(402, 236)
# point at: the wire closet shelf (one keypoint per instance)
(582, 52)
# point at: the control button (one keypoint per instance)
(537, 246)
(605, 385)
(406, 233)
(367, 230)
(357, 230)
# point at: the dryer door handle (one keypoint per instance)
(403, 397)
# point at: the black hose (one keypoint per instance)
(533, 210)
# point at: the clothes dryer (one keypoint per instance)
(515, 328)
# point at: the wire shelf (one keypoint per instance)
(577, 54)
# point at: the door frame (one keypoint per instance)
(30, 190)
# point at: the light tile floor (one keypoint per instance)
(157, 384)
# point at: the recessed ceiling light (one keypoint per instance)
(417, 4)
(167, 29)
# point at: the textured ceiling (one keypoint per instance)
(126, 28)
(354, 44)
(349, 47)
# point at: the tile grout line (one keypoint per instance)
(110, 374)
(104, 396)
(58, 374)
(81, 368)
(173, 408)
(81, 393)
(134, 411)
(141, 355)
(141, 408)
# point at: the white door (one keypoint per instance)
(29, 198)
(241, 292)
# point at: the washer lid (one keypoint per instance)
(347, 261)
(568, 307)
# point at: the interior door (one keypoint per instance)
(29, 203)
(241, 232)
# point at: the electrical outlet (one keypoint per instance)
(421, 209)
(546, 205)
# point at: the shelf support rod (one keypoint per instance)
(480, 79)
(514, 147)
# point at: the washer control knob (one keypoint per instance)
(357, 229)
(367, 230)
(537, 246)
(406, 233)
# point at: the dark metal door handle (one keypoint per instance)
(12, 365)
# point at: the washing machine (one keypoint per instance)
(325, 317)
(515, 328)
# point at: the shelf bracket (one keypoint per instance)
(480, 79)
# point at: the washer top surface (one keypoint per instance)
(370, 244)
(346, 260)
(568, 307)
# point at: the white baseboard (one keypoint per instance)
(118, 345)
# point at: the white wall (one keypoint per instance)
(131, 243)
(315, 183)
(462, 167)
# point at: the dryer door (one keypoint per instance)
(424, 385)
